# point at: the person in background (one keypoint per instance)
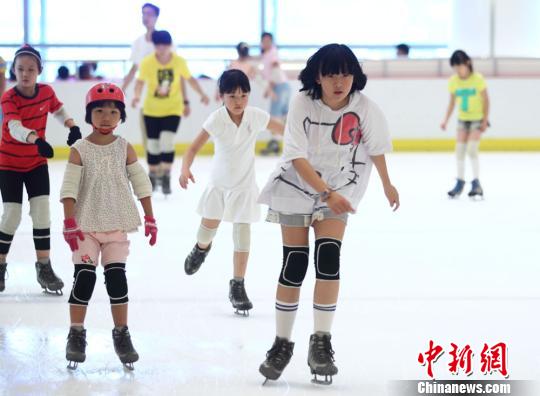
(402, 51)
(62, 73)
(2, 81)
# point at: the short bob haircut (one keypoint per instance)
(101, 103)
(460, 57)
(331, 59)
(233, 79)
(154, 7)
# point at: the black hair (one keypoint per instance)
(233, 79)
(460, 57)
(331, 59)
(403, 48)
(152, 6)
(28, 50)
(242, 49)
(63, 73)
(161, 37)
(83, 72)
(267, 34)
(101, 103)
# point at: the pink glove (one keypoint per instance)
(150, 228)
(71, 233)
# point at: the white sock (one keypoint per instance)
(323, 317)
(461, 149)
(285, 316)
(472, 150)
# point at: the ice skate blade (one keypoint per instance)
(317, 381)
(53, 292)
(242, 312)
(72, 365)
(129, 366)
(476, 197)
(265, 381)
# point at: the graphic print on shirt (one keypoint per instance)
(165, 79)
(464, 94)
(346, 131)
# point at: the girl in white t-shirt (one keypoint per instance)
(333, 135)
(232, 192)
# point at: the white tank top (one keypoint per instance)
(105, 200)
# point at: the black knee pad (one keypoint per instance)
(84, 280)
(327, 251)
(116, 282)
(295, 265)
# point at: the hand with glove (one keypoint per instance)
(44, 148)
(150, 228)
(72, 233)
(74, 135)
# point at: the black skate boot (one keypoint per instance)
(166, 183)
(272, 148)
(195, 259)
(76, 347)
(476, 190)
(3, 270)
(48, 279)
(457, 190)
(154, 179)
(239, 298)
(124, 348)
(321, 358)
(277, 358)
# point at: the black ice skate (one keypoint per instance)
(195, 259)
(124, 348)
(166, 183)
(321, 358)
(154, 179)
(272, 148)
(48, 279)
(239, 298)
(476, 190)
(3, 270)
(457, 190)
(76, 347)
(277, 358)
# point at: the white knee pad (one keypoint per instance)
(152, 146)
(205, 235)
(11, 217)
(461, 149)
(472, 149)
(166, 141)
(241, 237)
(40, 212)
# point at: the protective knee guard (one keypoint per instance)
(166, 141)
(295, 265)
(241, 237)
(40, 212)
(116, 282)
(11, 217)
(327, 251)
(84, 280)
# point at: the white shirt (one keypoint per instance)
(234, 152)
(141, 48)
(271, 71)
(338, 144)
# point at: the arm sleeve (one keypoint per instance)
(295, 141)
(143, 71)
(451, 86)
(375, 132)
(18, 131)
(184, 70)
(61, 115)
(55, 103)
(260, 119)
(213, 124)
(10, 109)
(481, 83)
(71, 182)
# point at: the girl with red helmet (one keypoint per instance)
(99, 211)
(23, 161)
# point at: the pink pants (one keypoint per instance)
(113, 246)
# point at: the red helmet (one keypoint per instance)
(105, 91)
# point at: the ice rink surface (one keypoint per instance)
(438, 269)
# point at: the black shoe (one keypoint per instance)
(239, 298)
(48, 279)
(277, 358)
(457, 190)
(3, 270)
(195, 259)
(124, 347)
(76, 347)
(476, 189)
(321, 358)
(272, 148)
(166, 183)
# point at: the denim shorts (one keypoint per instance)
(469, 126)
(303, 220)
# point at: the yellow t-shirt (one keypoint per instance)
(468, 96)
(164, 96)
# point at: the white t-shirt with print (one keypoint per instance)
(140, 49)
(338, 144)
(232, 191)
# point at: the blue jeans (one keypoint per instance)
(279, 106)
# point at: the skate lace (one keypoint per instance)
(47, 272)
(238, 291)
(77, 338)
(323, 349)
(123, 339)
(280, 354)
